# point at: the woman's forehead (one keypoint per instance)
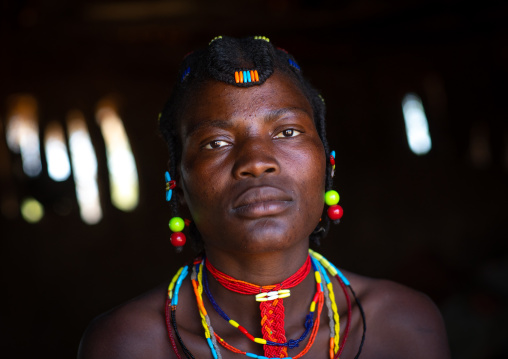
(217, 101)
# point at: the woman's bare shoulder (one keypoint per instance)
(401, 322)
(135, 329)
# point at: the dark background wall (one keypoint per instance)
(437, 223)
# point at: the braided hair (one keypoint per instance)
(229, 60)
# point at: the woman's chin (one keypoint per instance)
(267, 235)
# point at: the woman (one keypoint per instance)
(249, 167)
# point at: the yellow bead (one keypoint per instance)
(233, 323)
(318, 277)
(332, 197)
(312, 306)
(176, 224)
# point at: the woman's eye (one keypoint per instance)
(288, 133)
(215, 144)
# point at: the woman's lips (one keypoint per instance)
(262, 201)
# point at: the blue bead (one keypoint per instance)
(250, 355)
(184, 273)
(333, 154)
(344, 279)
(167, 177)
(339, 273)
(322, 270)
(214, 353)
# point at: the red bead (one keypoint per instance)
(332, 160)
(243, 330)
(178, 239)
(335, 212)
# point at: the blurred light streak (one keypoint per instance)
(123, 175)
(32, 210)
(84, 165)
(22, 132)
(417, 127)
(59, 168)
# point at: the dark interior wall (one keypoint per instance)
(437, 223)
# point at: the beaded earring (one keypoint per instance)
(332, 162)
(170, 185)
(335, 211)
(176, 224)
(332, 197)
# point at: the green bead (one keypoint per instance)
(332, 198)
(176, 224)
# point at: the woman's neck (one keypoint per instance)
(261, 269)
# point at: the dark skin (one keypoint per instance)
(252, 177)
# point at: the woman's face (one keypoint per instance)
(253, 165)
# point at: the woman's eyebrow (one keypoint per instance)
(207, 124)
(275, 114)
(225, 124)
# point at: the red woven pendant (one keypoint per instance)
(272, 327)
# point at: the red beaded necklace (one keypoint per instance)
(272, 312)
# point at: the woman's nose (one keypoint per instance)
(255, 158)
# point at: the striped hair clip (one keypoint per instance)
(214, 39)
(245, 76)
(294, 64)
(264, 38)
(185, 74)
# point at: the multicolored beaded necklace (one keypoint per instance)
(318, 299)
(290, 343)
(271, 304)
(200, 282)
